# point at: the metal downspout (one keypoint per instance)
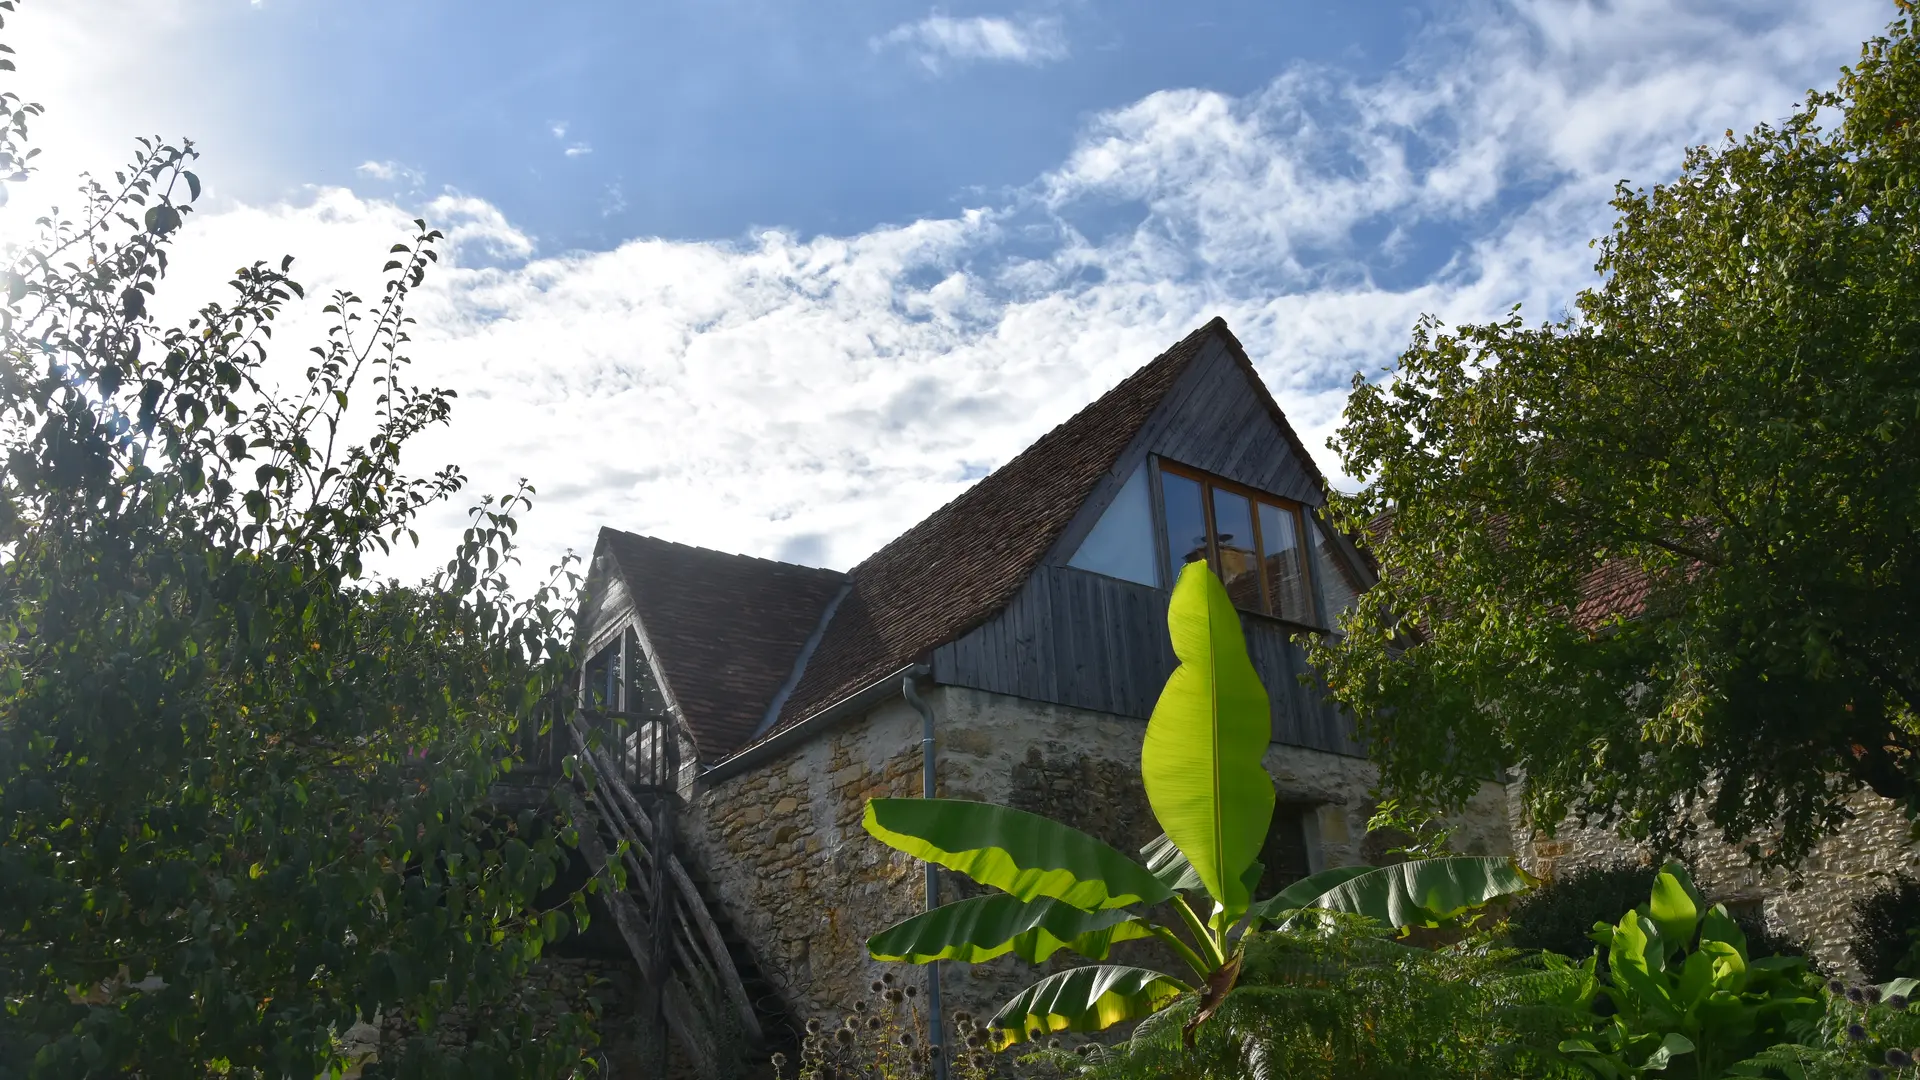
(936, 1022)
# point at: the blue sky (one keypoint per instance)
(781, 278)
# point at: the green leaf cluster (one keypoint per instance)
(1663, 554)
(243, 783)
(1687, 1000)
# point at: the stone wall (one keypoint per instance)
(1811, 903)
(786, 855)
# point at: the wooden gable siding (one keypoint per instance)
(1214, 421)
(1093, 642)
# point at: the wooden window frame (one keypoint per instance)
(1302, 521)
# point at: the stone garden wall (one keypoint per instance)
(1811, 903)
(784, 849)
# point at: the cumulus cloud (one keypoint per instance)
(810, 396)
(938, 40)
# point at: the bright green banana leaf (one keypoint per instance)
(1176, 873)
(1083, 999)
(983, 927)
(1675, 907)
(1201, 761)
(1023, 854)
(1414, 893)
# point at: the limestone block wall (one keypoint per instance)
(1810, 903)
(788, 858)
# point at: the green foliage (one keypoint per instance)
(242, 783)
(1559, 915)
(1201, 761)
(1886, 930)
(1732, 417)
(1057, 887)
(1863, 1031)
(1341, 1000)
(1687, 1001)
(980, 928)
(1021, 854)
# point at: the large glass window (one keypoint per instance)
(1186, 510)
(1237, 548)
(1253, 541)
(1121, 543)
(1288, 594)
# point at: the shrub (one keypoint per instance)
(1884, 923)
(1559, 915)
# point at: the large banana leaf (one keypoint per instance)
(1201, 761)
(1083, 999)
(1414, 893)
(1015, 852)
(1306, 892)
(1174, 871)
(1165, 862)
(983, 927)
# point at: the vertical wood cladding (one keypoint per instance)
(1093, 642)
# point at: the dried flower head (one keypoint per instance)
(962, 1017)
(895, 997)
(906, 1038)
(873, 1023)
(1855, 995)
(860, 1006)
(877, 986)
(1897, 1002)
(1856, 1033)
(913, 991)
(1871, 993)
(887, 978)
(813, 1025)
(1083, 1049)
(1835, 986)
(843, 1036)
(1898, 1058)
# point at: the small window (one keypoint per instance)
(1121, 543)
(601, 681)
(1250, 539)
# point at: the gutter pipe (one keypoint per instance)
(936, 1022)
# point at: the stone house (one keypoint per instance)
(1028, 615)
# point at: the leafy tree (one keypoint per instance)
(1055, 887)
(242, 781)
(1663, 554)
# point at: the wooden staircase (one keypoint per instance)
(616, 775)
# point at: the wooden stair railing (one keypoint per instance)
(622, 795)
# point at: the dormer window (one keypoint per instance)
(1251, 539)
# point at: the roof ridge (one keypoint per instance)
(1216, 324)
(650, 538)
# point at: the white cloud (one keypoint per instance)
(812, 396)
(579, 150)
(390, 171)
(940, 39)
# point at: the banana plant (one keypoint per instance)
(1687, 999)
(1055, 887)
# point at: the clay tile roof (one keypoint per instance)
(726, 629)
(960, 566)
